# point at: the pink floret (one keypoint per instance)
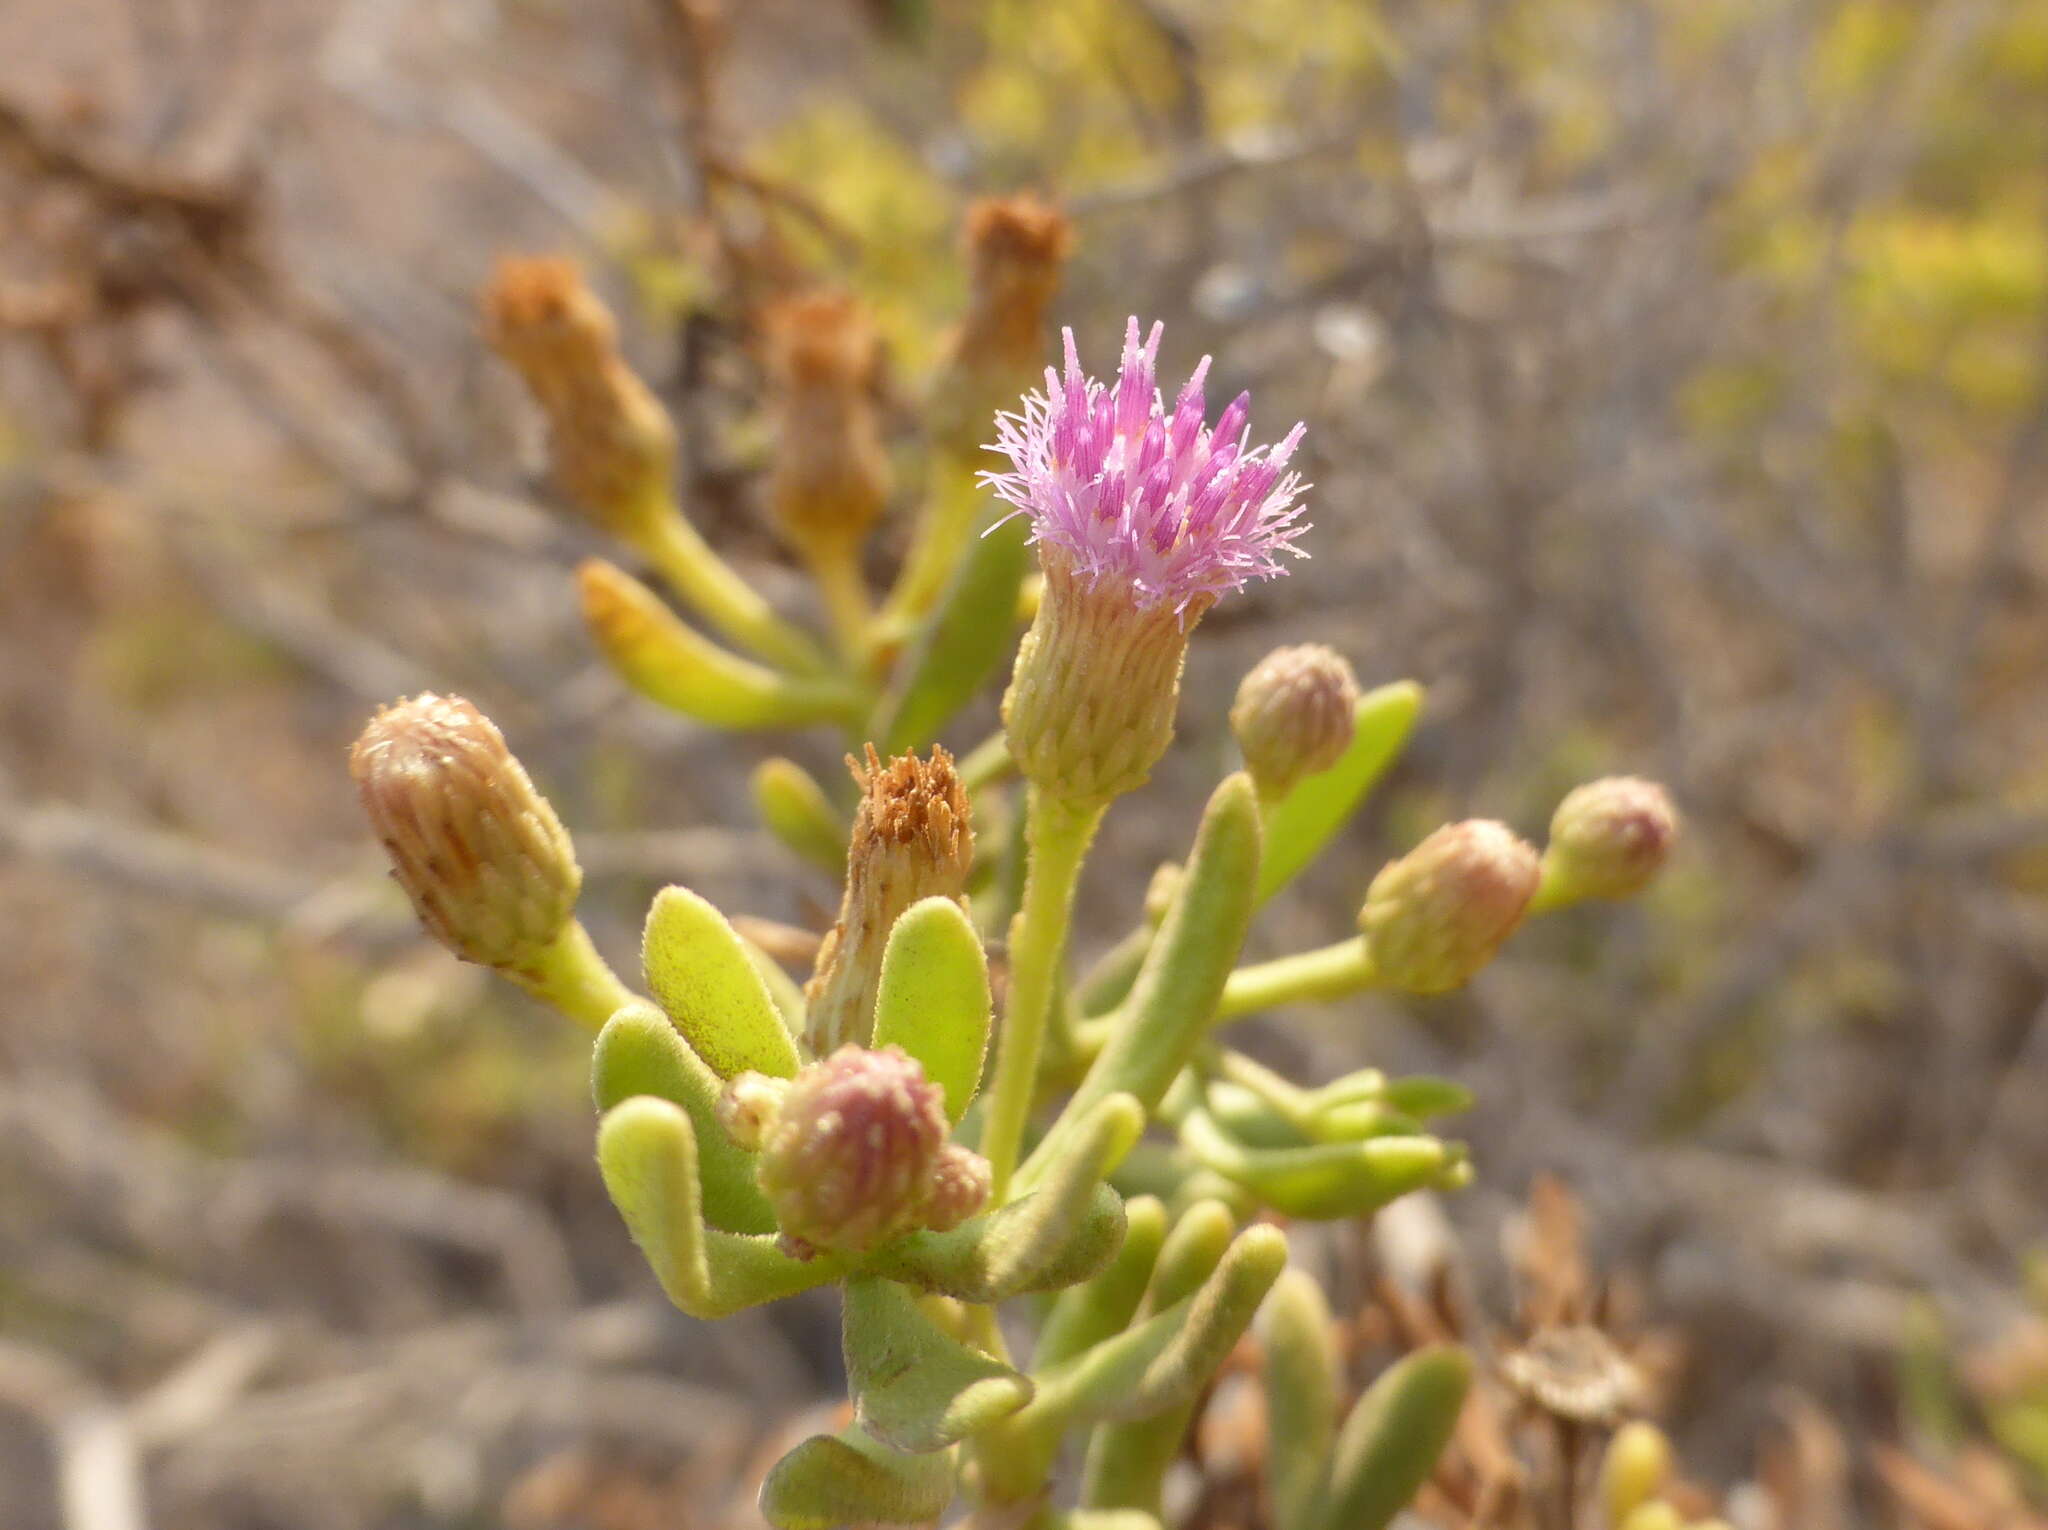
(1129, 492)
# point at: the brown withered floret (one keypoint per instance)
(912, 839)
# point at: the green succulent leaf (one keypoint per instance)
(963, 643)
(1165, 1360)
(852, 1478)
(699, 971)
(1086, 1314)
(1064, 1231)
(1421, 1095)
(914, 1387)
(1301, 1397)
(934, 1001)
(1324, 1181)
(671, 663)
(1390, 1443)
(1163, 1022)
(1310, 816)
(795, 809)
(648, 1156)
(640, 1052)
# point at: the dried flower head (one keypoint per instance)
(1437, 915)
(612, 444)
(854, 1157)
(830, 480)
(1609, 839)
(1016, 249)
(483, 857)
(1295, 714)
(912, 839)
(1155, 504)
(1576, 1373)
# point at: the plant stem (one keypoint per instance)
(721, 596)
(572, 977)
(836, 572)
(1058, 833)
(1329, 972)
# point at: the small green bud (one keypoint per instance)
(1634, 1470)
(1436, 916)
(1295, 715)
(1608, 839)
(859, 1152)
(486, 862)
(748, 1107)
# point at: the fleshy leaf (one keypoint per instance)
(1301, 1396)
(934, 998)
(1390, 1443)
(971, 633)
(1155, 1033)
(1327, 1180)
(1063, 1232)
(796, 811)
(640, 1052)
(670, 662)
(853, 1479)
(1310, 816)
(1085, 1315)
(915, 1388)
(648, 1156)
(700, 972)
(1167, 1359)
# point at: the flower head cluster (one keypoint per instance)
(1126, 492)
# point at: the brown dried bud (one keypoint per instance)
(1295, 714)
(830, 481)
(1017, 247)
(1091, 703)
(912, 839)
(1608, 839)
(1436, 916)
(487, 864)
(613, 445)
(1576, 1373)
(854, 1158)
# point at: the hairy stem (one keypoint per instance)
(1329, 972)
(1058, 833)
(572, 977)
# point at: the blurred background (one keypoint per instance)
(1677, 386)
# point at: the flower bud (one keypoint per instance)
(487, 864)
(748, 1107)
(1017, 248)
(1608, 839)
(1091, 703)
(911, 840)
(855, 1156)
(830, 479)
(1436, 916)
(960, 1186)
(1634, 1470)
(612, 443)
(1295, 715)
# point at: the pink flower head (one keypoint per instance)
(1129, 492)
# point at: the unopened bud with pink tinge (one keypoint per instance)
(483, 857)
(1295, 715)
(1608, 839)
(1433, 918)
(859, 1154)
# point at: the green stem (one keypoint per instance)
(1058, 833)
(1330, 972)
(836, 572)
(572, 977)
(721, 596)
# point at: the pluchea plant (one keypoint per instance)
(940, 1126)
